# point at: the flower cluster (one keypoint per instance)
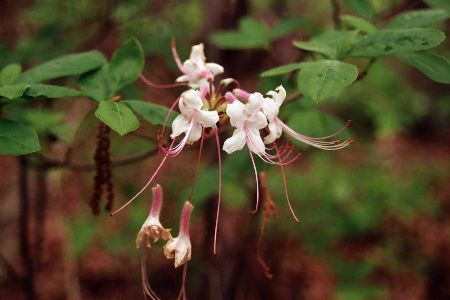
(204, 108)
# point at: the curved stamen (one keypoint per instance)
(197, 167)
(166, 119)
(176, 57)
(174, 151)
(257, 181)
(148, 291)
(220, 191)
(148, 82)
(145, 186)
(182, 294)
(285, 188)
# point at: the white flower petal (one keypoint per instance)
(192, 99)
(197, 54)
(195, 134)
(255, 102)
(214, 68)
(257, 121)
(182, 78)
(235, 112)
(275, 131)
(256, 144)
(207, 118)
(270, 109)
(180, 125)
(235, 142)
(278, 95)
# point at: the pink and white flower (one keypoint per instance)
(196, 71)
(152, 230)
(179, 249)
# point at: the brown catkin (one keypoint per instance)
(103, 176)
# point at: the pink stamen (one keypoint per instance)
(257, 182)
(197, 167)
(157, 200)
(285, 188)
(166, 119)
(220, 192)
(203, 92)
(185, 216)
(182, 294)
(176, 57)
(148, 82)
(241, 94)
(144, 188)
(148, 291)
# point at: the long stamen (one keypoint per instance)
(145, 186)
(197, 167)
(285, 187)
(166, 118)
(148, 291)
(176, 57)
(148, 82)
(220, 192)
(182, 294)
(257, 182)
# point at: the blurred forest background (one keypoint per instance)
(375, 217)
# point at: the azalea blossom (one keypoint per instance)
(196, 71)
(152, 230)
(248, 120)
(179, 249)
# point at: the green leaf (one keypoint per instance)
(439, 4)
(126, 64)
(117, 116)
(151, 112)
(51, 91)
(333, 44)
(280, 70)
(362, 7)
(321, 79)
(434, 66)
(17, 139)
(9, 74)
(358, 23)
(96, 84)
(286, 27)
(418, 18)
(395, 41)
(73, 64)
(250, 34)
(13, 91)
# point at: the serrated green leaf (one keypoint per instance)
(17, 139)
(68, 65)
(151, 112)
(9, 74)
(362, 7)
(286, 26)
(321, 79)
(96, 84)
(51, 91)
(280, 70)
(13, 91)
(434, 66)
(126, 64)
(358, 23)
(418, 18)
(395, 41)
(333, 44)
(117, 116)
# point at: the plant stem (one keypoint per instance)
(24, 235)
(336, 11)
(41, 208)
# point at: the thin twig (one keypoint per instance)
(336, 11)
(363, 74)
(24, 235)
